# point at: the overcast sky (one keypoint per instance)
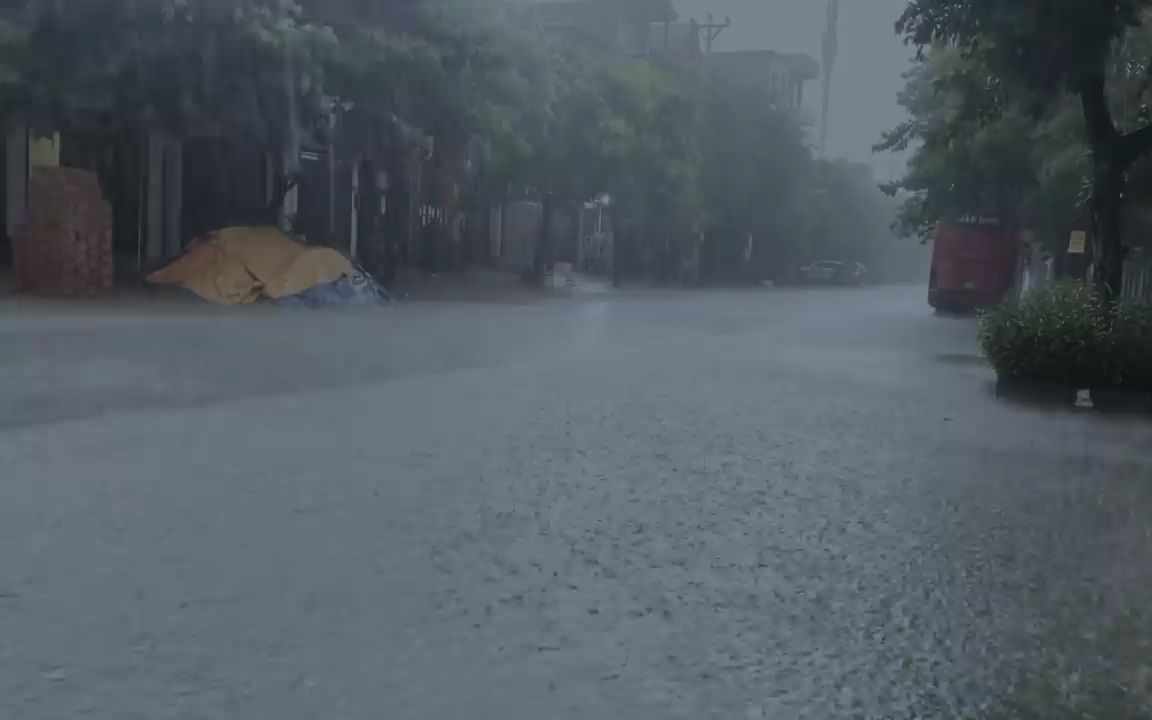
(867, 75)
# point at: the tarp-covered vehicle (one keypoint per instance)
(243, 265)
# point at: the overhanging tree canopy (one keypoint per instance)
(992, 161)
(198, 67)
(1038, 50)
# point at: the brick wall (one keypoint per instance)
(63, 246)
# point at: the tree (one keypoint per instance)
(446, 68)
(500, 109)
(757, 174)
(196, 67)
(659, 195)
(629, 129)
(848, 216)
(1038, 49)
(974, 152)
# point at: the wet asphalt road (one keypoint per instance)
(784, 504)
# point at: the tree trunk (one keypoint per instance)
(1112, 153)
(1107, 226)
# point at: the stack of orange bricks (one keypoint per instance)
(63, 247)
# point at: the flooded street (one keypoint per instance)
(778, 504)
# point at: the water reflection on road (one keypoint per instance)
(703, 505)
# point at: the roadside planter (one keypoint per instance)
(1109, 399)
(1038, 392)
(1063, 346)
(1130, 386)
(1121, 400)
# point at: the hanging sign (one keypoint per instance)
(1078, 242)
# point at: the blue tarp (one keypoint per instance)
(357, 289)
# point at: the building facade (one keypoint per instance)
(783, 75)
(624, 27)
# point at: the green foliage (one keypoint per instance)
(851, 217)
(676, 153)
(1004, 163)
(1010, 158)
(201, 67)
(1133, 348)
(653, 150)
(1034, 51)
(1066, 335)
(759, 177)
(1038, 45)
(631, 130)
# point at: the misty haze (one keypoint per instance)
(575, 359)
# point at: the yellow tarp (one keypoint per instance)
(242, 264)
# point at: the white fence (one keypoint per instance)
(1137, 288)
(1038, 271)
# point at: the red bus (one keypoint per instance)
(974, 264)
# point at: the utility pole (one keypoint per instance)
(711, 30)
(831, 50)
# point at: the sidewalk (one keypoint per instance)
(485, 285)
(490, 285)
(475, 285)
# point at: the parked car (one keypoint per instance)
(834, 272)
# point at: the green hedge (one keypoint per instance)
(1133, 368)
(1065, 335)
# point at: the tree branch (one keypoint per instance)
(1102, 131)
(1136, 145)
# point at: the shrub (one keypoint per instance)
(1133, 359)
(1063, 335)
